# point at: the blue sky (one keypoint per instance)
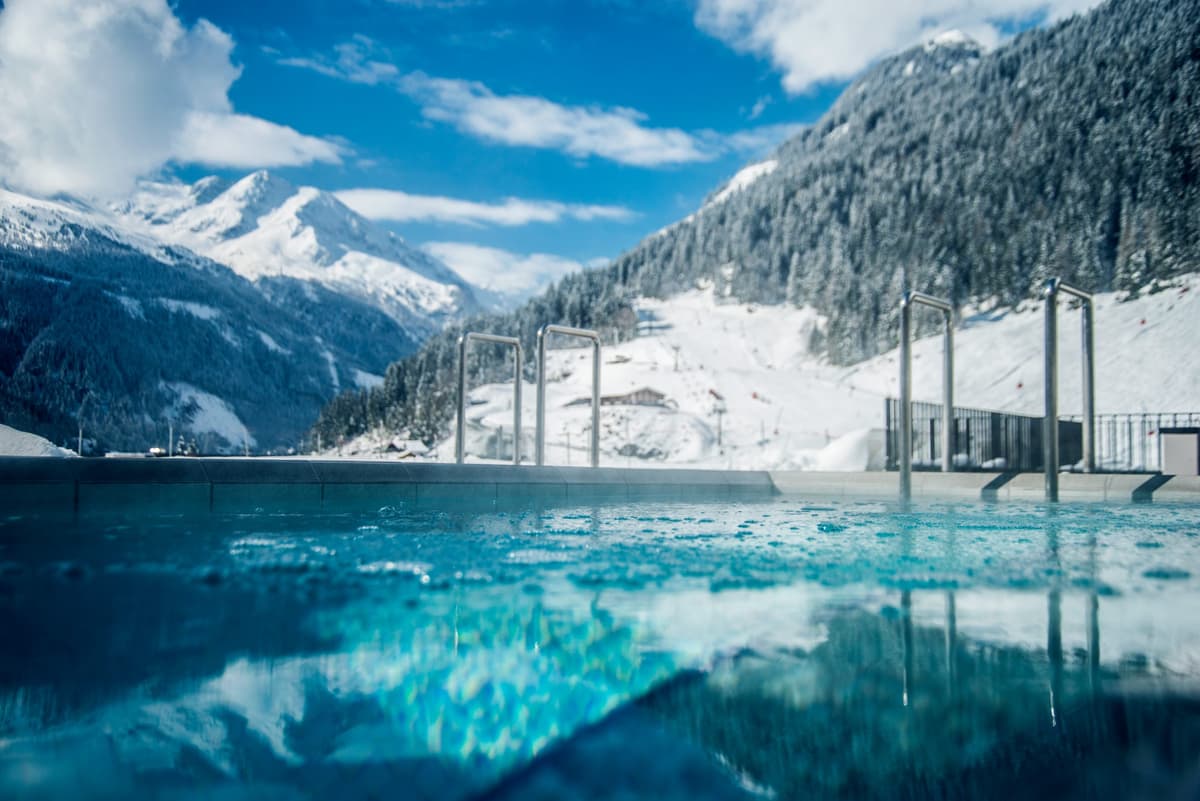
(588, 53)
(486, 130)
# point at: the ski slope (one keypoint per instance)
(783, 407)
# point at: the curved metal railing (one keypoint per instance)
(464, 341)
(581, 333)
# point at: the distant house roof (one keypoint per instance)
(644, 396)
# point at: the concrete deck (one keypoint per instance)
(264, 485)
(1030, 487)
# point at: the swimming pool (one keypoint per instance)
(641, 650)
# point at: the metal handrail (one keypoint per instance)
(909, 300)
(540, 438)
(1050, 445)
(463, 341)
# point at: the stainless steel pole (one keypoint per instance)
(539, 446)
(1050, 422)
(948, 423)
(905, 398)
(1089, 388)
(461, 422)
(517, 381)
(596, 402)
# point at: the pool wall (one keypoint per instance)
(266, 485)
(233, 485)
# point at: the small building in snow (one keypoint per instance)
(645, 396)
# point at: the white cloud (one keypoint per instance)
(95, 93)
(762, 139)
(813, 41)
(759, 107)
(617, 134)
(357, 61)
(238, 140)
(511, 276)
(386, 204)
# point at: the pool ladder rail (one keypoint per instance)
(540, 433)
(1053, 288)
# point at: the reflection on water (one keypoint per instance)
(656, 652)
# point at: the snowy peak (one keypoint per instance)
(741, 179)
(954, 40)
(262, 226)
(949, 51)
(237, 210)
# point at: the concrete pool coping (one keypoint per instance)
(296, 485)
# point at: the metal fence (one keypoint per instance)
(981, 439)
(987, 440)
(1131, 443)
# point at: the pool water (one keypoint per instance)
(750, 650)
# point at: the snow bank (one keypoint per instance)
(856, 451)
(21, 443)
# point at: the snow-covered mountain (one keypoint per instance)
(113, 325)
(263, 226)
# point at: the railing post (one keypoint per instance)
(948, 424)
(596, 402)
(539, 432)
(1050, 421)
(461, 420)
(905, 410)
(1089, 387)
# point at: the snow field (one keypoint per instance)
(787, 408)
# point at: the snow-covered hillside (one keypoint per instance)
(28, 223)
(742, 179)
(783, 407)
(263, 226)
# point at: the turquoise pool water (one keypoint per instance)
(769, 650)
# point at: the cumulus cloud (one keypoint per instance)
(387, 204)
(618, 134)
(814, 41)
(95, 93)
(510, 276)
(238, 140)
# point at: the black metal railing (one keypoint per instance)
(1131, 443)
(987, 440)
(981, 439)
